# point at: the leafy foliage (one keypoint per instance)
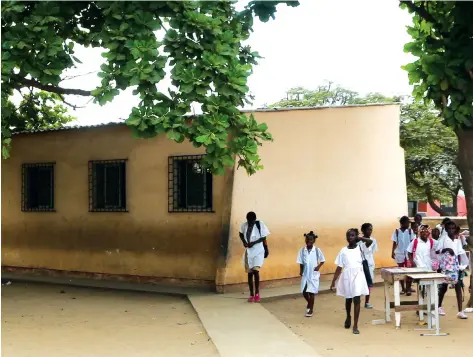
(37, 110)
(431, 149)
(442, 41)
(202, 48)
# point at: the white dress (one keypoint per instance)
(352, 281)
(310, 260)
(254, 256)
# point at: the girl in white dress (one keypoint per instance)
(352, 283)
(310, 259)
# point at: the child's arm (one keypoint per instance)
(394, 248)
(301, 270)
(335, 277)
(242, 237)
(367, 241)
(319, 266)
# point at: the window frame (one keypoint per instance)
(93, 185)
(24, 187)
(173, 190)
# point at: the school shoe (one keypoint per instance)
(368, 306)
(308, 314)
(257, 298)
(468, 310)
(461, 315)
(251, 299)
(441, 311)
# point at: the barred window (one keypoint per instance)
(37, 191)
(107, 186)
(190, 185)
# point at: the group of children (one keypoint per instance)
(414, 244)
(354, 275)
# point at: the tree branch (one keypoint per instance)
(428, 193)
(51, 88)
(420, 10)
(69, 104)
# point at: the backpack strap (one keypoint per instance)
(258, 225)
(397, 235)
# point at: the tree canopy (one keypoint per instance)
(442, 73)
(431, 148)
(202, 48)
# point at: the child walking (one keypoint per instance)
(452, 262)
(436, 255)
(421, 249)
(310, 259)
(352, 283)
(401, 238)
(368, 248)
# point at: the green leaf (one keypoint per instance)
(76, 59)
(444, 84)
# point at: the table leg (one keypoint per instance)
(428, 291)
(421, 301)
(436, 305)
(397, 302)
(387, 307)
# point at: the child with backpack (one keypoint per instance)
(368, 247)
(253, 234)
(310, 259)
(401, 239)
(421, 249)
(451, 264)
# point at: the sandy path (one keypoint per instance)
(325, 332)
(39, 320)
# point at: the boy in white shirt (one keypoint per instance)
(369, 248)
(401, 239)
(253, 234)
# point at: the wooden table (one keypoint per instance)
(429, 282)
(393, 276)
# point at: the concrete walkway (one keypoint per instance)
(240, 329)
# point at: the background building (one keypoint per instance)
(93, 201)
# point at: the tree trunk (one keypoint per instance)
(455, 205)
(465, 163)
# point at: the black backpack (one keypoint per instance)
(265, 243)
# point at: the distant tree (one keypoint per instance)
(37, 110)
(431, 149)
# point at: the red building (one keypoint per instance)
(426, 210)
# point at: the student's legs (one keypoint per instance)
(250, 283)
(311, 302)
(367, 297)
(306, 295)
(442, 290)
(348, 310)
(357, 303)
(256, 273)
(459, 293)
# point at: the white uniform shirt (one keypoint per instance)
(257, 249)
(423, 253)
(310, 260)
(403, 239)
(368, 252)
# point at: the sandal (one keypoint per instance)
(348, 322)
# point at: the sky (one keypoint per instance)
(357, 44)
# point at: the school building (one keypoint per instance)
(95, 202)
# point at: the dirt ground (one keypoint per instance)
(325, 332)
(47, 320)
